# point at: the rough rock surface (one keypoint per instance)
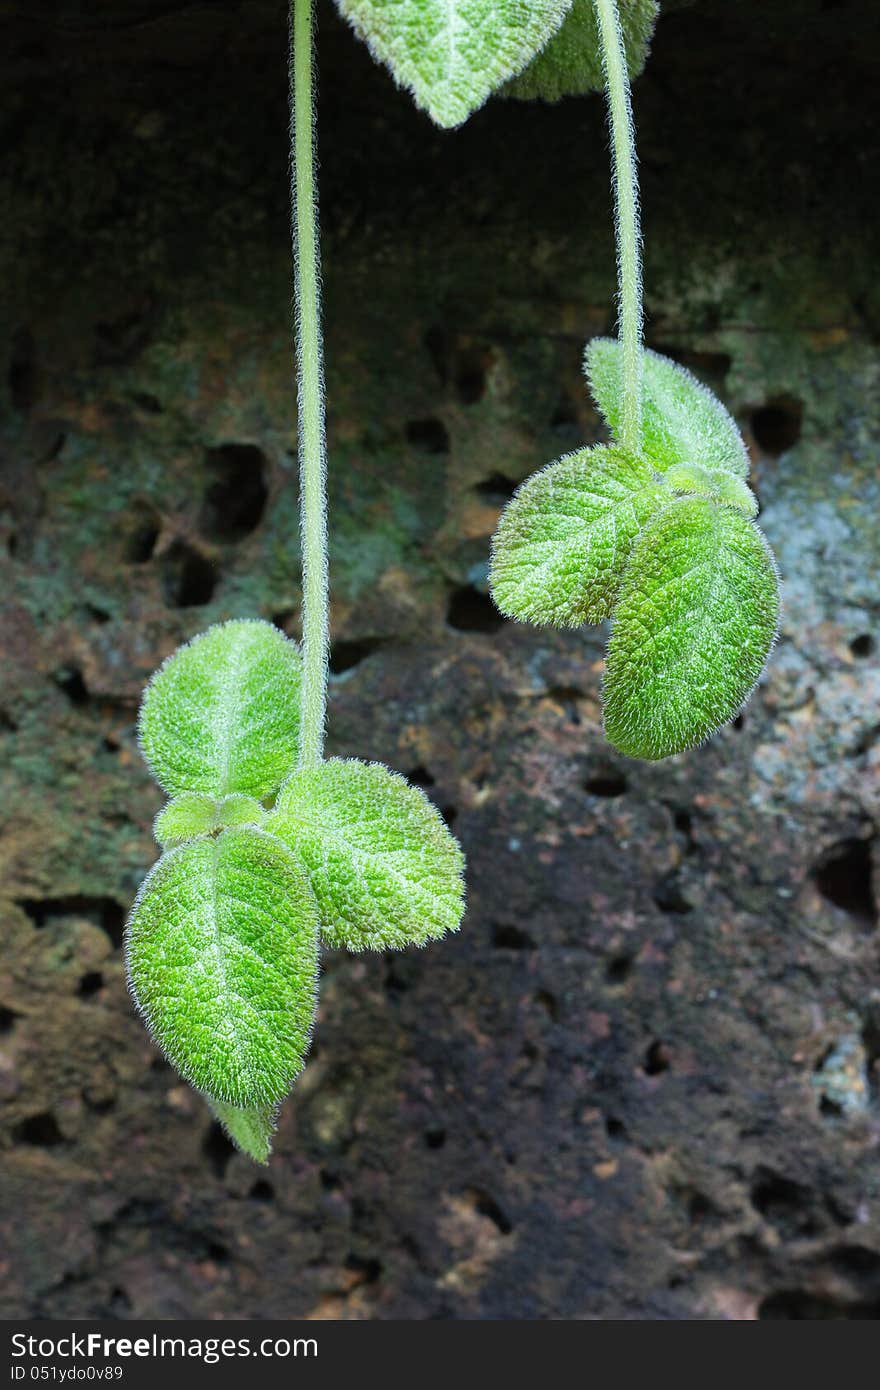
(643, 1080)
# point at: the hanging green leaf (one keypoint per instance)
(193, 814)
(693, 627)
(383, 866)
(250, 1130)
(712, 482)
(222, 953)
(561, 546)
(682, 421)
(452, 54)
(571, 63)
(222, 714)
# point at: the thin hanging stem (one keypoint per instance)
(626, 221)
(310, 387)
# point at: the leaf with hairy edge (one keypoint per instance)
(682, 422)
(186, 817)
(222, 956)
(192, 814)
(712, 482)
(694, 625)
(571, 63)
(383, 866)
(250, 1130)
(561, 546)
(452, 54)
(222, 714)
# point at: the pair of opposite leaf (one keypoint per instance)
(664, 542)
(261, 863)
(453, 54)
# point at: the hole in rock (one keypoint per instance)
(119, 1304)
(236, 497)
(217, 1148)
(657, 1059)
(144, 400)
(843, 875)
(39, 1130)
(217, 1252)
(472, 611)
(699, 1208)
(486, 1205)
(369, 1269)
(738, 723)
(430, 436)
(140, 532)
(188, 577)
(106, 913)
(797, 1305)
(619, 969)
(7, 1019)
(862, 646)
(786, 1204)
(549, 1003)
(507, 937)
(284, 619)
(669, 896)
(262, 1191)
(421, 777)
(330, 1182)
(609, 783)
(497, 487)
(344, 656)
(435, 1138)
(401, 973)
(615, 1129)
(568, 696)
(777, 425)
(90, 983)
(22, 377)
(70, 680)
(471, 367)
(858, 1263)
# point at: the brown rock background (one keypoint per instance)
(643, 1080)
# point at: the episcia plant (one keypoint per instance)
(268, 847)
(655, 530)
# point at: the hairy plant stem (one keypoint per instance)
(626, 221)
(310, 387)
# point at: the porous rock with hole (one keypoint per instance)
(604, 1098)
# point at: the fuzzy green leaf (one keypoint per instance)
(192, 814)
(383, 866)
(250, 1130)
(571, 63)
(693, 628)
(712, 482)
(682, 421)
(452, 54)
(222, 714)
(561, 546)
(222, 954)
(186, 817)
